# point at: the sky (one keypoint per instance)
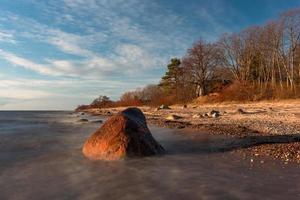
(57, 54)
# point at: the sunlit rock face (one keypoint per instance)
(123, 135)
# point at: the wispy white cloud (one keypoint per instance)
(28, 64)
(6, 36)
(72, 43)
(69, 46)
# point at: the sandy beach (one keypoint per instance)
(258, 128)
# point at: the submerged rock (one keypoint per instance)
(83, 120)
(97, 121)
(123, 135)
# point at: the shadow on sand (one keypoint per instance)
(214, 145)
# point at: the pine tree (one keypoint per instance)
(170, 81)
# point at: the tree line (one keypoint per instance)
(259, 62)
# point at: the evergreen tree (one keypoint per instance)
(170, 81)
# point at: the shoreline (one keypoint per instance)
(269, 129)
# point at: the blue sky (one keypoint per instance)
(58, 54)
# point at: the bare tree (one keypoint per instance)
(290, 22)
(200, 63)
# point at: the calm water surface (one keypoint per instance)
(40, 158)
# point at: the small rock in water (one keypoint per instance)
(173, 117)
(83, 120)
(180, 126)
(97, 121)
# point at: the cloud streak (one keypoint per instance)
(27, 64)
(6, 37)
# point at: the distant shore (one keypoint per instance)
(258, 129)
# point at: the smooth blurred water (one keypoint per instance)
(40, 158)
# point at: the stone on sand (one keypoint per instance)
(197, 116)
(163, 107)
(173, 117)
(241, 111)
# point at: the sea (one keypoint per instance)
(41, 159)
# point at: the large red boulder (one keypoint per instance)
(123, 135)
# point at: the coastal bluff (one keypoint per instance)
(124, 135)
